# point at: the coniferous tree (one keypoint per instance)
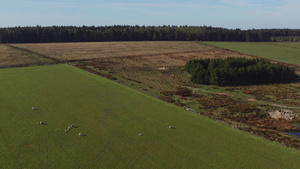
(238, 71)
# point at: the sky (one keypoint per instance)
(232, 14)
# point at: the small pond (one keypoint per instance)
(295, 133)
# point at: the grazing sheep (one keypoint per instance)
(34, 108)
(72, 125)
(42, 122)
(140, 134)
(81, 134)
(170, 127)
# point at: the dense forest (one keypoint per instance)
(238, 71)
(40, 34)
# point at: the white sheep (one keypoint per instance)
(170, 127)
(81, 134)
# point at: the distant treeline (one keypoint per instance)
(40, 34)
(238, 71)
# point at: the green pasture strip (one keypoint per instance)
(111, 116)
(288, 52)
(295, 45)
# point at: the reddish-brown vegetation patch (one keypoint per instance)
(242, 108)
(214, 101)
(275, 124)
(290, 141)
(250, 117)
(278, 91)
(181, 91)
(97, 73)
(102, 64)
(224, 94)
(167, 99)
(179, 104)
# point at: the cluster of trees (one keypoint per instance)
(238, 71)
(40, 34)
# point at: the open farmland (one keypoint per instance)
(13, 57)
(160, 75)
(288, 52)
(100, 50)
(133, 61)
(156, 68)
(111, 117)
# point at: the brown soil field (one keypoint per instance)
(13, 57)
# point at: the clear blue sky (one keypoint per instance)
(244, 14)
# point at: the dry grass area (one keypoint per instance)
(98, 50)
(275, 124)
(153, 64)
(286, 93)
(14, 57)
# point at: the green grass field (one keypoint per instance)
(112, 116)
(288, 52)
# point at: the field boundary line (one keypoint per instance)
(28, 65)
(286, 46)
(36, 53)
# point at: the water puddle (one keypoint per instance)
(295, 133)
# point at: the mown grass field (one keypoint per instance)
(288, 52)
(112, 116)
